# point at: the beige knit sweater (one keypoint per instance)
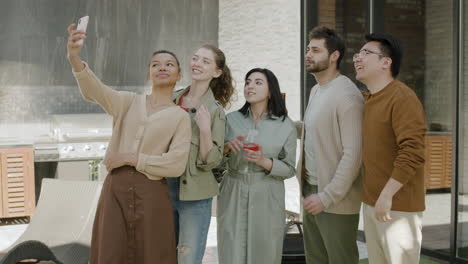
(337, 144)
(161, 140)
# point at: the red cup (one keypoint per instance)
(251, 146)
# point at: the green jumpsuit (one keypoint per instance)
(251, 208)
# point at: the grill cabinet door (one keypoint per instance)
(17, 182)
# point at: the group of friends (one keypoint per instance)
(356, 148)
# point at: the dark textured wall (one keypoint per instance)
(349, 19)
(440, 69)
(35, 78)
(351, 23)
(407, 21)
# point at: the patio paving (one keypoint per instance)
(436, 222)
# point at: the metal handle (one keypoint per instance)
(45, 148)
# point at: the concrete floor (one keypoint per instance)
(436, 224)
(211, 253)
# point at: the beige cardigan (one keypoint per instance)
(161, 140)
(337, 141)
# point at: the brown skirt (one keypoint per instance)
(134, 221)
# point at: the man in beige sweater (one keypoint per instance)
(330, 155)
(393, 155)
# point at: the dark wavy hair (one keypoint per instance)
(222, 86)
(276, 105)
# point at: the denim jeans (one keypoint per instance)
(192, 220)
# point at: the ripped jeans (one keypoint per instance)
(192, 220)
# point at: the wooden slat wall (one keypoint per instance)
(448, 163)
(17, 182)
(438, 167)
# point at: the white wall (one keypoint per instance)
(263, 33)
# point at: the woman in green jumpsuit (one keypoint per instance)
(251, 206)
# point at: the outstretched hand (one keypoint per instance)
(73, 48)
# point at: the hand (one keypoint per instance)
(255, 156)
(234, 145)
(383, 207)
(74, 49)
(203, 118)
(116, 160)
(313, 204)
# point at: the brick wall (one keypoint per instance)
(351, 25)
(327, 16)
(439, 64)
(349, 19)
(406, 20)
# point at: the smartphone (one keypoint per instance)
(82, 25)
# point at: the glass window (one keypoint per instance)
(462, 242)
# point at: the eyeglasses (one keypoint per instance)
(365, 52)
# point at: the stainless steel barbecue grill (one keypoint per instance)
(74, 147)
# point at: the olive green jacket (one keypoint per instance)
(198, 182)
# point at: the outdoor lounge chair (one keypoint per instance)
(293, 246)
(31, 249)
(63, 219)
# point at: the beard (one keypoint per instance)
(318, 66)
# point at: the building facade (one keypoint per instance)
(434, 34)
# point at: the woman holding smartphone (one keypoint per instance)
(150, 142)
(251, 206)
(191, 194)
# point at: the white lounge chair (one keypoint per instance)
(64, 218)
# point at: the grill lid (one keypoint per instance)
(81, 127)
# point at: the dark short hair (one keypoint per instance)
(333, 42)
(170, 53)
(390, 46)
(276, 105)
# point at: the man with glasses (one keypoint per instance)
(393, 155)
(330, 155)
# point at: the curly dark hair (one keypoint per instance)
(222, 86)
